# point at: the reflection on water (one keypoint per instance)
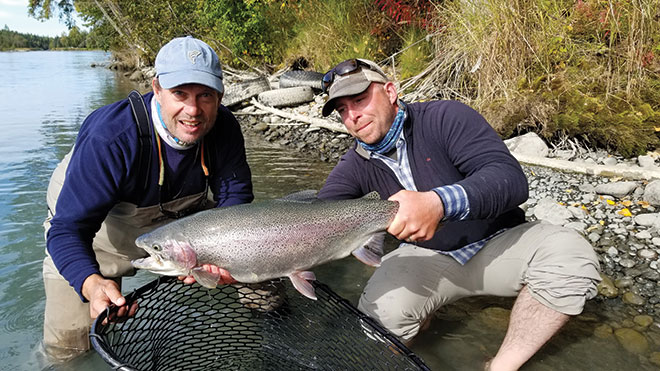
(46, 95)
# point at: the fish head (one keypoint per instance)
(171, 256)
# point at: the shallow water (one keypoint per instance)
(45, 97)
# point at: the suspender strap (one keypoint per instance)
(145, 133)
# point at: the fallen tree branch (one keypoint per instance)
(313, 122)
(636, 173)
(244, 113)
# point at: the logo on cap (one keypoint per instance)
(193, 54)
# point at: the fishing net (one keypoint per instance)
(267, 326)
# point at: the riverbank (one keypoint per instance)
(611, 212)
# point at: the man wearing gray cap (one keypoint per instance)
(129, 173)
(458, 190)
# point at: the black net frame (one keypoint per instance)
(246, 327)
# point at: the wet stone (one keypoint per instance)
(623, 283)
(643, 235)
(647, 254)
(651, 275)
(495, 317)
(627, 323)
(632, 340)
(643, 321)
(655, 358)
(627, 263)
(606, 287)
(633, 299)
(603, 331)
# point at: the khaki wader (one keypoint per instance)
(67, 319)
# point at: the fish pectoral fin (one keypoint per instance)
(205, 278)
(300, 281)
(372, 251)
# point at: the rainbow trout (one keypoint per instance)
(270, 239)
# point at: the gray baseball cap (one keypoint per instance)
(186, 60)
(351, 77)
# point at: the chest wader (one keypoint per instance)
(67, 319)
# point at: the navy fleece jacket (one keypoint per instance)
(447, 143)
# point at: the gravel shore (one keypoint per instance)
(619, 216)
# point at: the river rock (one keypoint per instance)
(648, 220)
(655, 358)
(606, 287)
(603, 331)
(646, 161)
(609, 161)
(623, 282)
(616, 189)
(528, 144)
(633, 299)
(550, 211)
(652, 193)
(260, 127)
(643, 235)
(495, 317)
(587, 188)
(642, 320)
(647, 254)
(632, 341)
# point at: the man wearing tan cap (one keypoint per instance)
(458, 189)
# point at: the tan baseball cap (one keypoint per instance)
(350, 77)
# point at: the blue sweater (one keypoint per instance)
(447, 143)
(103, 172)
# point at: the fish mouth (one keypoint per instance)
(155, 264)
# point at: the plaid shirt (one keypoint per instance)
(454, 198)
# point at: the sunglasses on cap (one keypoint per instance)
(344, 68)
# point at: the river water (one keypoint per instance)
(44, 98)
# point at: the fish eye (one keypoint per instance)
(157, 247)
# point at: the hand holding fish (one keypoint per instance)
(418, 216)
(224, 278)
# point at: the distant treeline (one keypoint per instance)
(75, 39)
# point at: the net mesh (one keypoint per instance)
(267, 326)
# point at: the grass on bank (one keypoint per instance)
(584, 70)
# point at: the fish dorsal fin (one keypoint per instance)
(373, 195)
(306, 196)
(372, 251)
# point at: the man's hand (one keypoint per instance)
(222, 275)
(418, 216)
(101, 292)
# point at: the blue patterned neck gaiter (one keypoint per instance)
(388, 142)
